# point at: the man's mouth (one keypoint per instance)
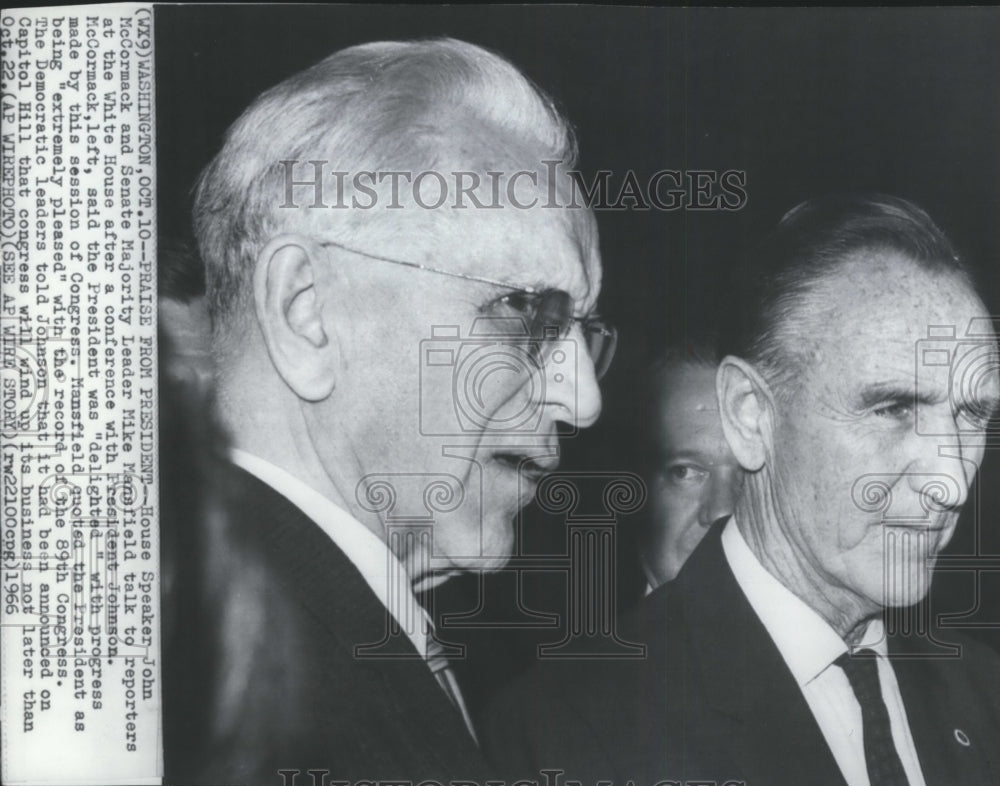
(530, 467)
(939, 524)
(913, 526)
(930, 535)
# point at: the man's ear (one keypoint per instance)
(746, 405)
(288, 298)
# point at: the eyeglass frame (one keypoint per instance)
(590, 324)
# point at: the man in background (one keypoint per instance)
(693, 476)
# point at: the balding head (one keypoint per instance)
(775, 311)
(381, 107)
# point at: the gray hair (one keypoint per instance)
(770, 317)
(378, 106)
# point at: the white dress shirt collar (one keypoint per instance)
(809, 646)
(381, 569)
(806, 641)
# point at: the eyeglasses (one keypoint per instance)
(545, 315)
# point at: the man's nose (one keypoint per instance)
(571, 387)
(719, 497)
(945, 466)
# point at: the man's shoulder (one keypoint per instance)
(975, 654)
(255, 519)
(273, 603)
(954, 658)
(669, 625)
(596, 715)
(255, 553)
(667, 713)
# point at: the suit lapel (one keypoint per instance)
(746, 679)
(317, 573)
(321, 578)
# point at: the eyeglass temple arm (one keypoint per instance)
(417, 266)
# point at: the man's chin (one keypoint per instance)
(487, 554)
(908, 558)
(497, 547)
(899, 599)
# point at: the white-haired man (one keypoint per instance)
(399, 325)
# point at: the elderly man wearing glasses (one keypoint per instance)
(392, 369)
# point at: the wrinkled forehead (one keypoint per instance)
(545, 248)
(468, 195)
(899, 298)
(534, 240)
(866, 323)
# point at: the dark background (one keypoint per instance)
(805, 101)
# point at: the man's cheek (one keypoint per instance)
(684, 514)
(675, 502)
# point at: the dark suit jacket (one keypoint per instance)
(713, 700)
(261, 673)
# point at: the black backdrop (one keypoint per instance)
(805, 101)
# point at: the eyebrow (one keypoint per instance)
(536, 294)
(879, 393)
(533, 294)
(685, 455)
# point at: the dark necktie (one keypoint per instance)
(443, 673)
(881, 757)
